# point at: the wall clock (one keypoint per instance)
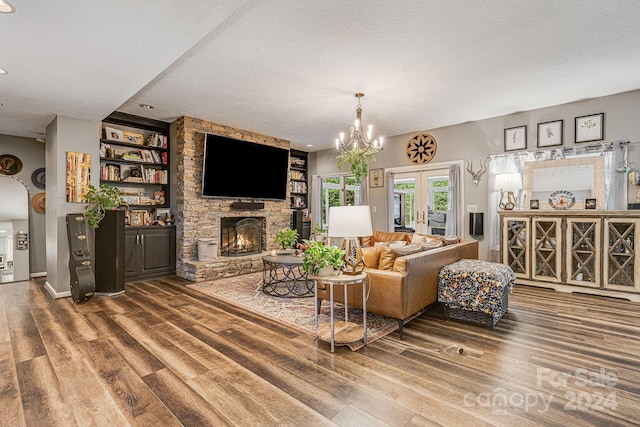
(421, 148)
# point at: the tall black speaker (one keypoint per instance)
(476, 223)
(83, 283)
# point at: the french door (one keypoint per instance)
(421, 201)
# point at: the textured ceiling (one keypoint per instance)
(289, 68)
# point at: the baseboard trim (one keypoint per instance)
(55, 294)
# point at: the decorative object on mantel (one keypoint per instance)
(475, 176)
(350, 223)
(562, 199)
(550, 133)
(507, 183)
(421, 148)
(10, 164)
(515, 138)
(590, 203)
(360, 148)
(590, 128)
(534, 204)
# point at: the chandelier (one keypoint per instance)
(359, 140)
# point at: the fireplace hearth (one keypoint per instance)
(241, 236)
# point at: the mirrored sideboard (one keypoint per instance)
(595, 252)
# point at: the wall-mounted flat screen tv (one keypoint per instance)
(236, 169)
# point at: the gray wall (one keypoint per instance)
(65, 134)
(479, 139)
(32, 155)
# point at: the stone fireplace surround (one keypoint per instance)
(198, 217)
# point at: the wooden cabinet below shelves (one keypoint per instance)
(594, 252)
(149, 252)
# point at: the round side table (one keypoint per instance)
(346, 331)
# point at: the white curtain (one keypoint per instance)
(505, 163)
(453, 225)
(389, 178)
(316, 215)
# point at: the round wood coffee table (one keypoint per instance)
(283, 276)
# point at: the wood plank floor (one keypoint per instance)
(162, 354)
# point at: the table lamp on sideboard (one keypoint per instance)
(507, 183)
(350, 223)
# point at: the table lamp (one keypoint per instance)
(507, 183)
(350, 223)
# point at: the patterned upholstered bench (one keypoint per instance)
(475, 291)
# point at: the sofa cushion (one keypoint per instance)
(407, 249)
(371, 256)
(450, 240)
(389, 236)
(432, 244)
(387, 258)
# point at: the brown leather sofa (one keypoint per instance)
(402, 285)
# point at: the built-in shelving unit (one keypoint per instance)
(134, 156)
(576, 251)
(298, 192)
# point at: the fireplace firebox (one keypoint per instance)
(241, 236)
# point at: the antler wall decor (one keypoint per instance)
(476, 175)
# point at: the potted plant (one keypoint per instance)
(317, 232)
(319, 256)
(287, 238)
(358, 160)
(105, 197)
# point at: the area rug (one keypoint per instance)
(246, 292)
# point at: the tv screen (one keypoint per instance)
(237, 169)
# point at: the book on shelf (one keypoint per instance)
(298, 163)
(296, 175)
(157, 140)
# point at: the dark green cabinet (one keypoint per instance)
(149, 252)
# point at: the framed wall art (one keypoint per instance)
(376, 178)
(550, 134)
(113, 134)
(515, 138)
(137, 218)
(590, 128)
(78, 175)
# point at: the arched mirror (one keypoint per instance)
(14, 231)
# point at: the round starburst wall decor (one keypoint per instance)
(421, 148)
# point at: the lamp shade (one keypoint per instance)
(508, 181)
(349, 221)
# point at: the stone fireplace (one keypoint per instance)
(198, 217)
(241, 236)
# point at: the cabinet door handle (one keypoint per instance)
(142, 239)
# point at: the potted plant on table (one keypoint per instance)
(100, 199)
(287, 238)
(321, 259)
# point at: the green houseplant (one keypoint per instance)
(318, 255)
(358, 160)
(287, 238)
(98, 200)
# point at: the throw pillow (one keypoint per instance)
(450, 240)
(419, 239)
(387, 258)
(397, 244)
(432, 244)
(371, 255)
(408, 249)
